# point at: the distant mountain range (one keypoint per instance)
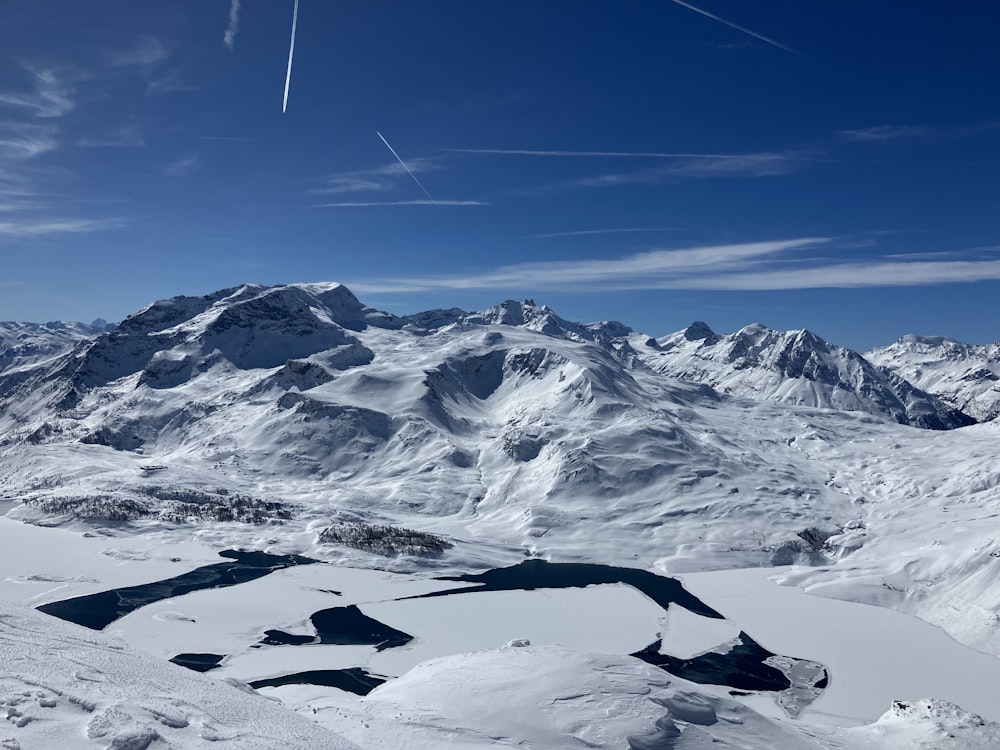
(965, 376)
(28, 344)
(494, 414)
(291, 408)
(800, 368)
(930, 382)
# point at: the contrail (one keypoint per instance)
(421, 202)
(234, 24)
(732, 25)
(602, 154)
(404, 166)
(291, 51)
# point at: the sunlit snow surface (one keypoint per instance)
(553, 694)
(62, 686)
(513, 433)
(552, 697)
(873, 655)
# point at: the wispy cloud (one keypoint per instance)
(616, 230)
(881, 133)
(980, 252)
(28, 127)
(45, 112)
(420, 202)
(851, 276)
(231, 138)
(756, 266)
(17, 205)
(385, 177)
(168, 82)
(732, 25)
(28, 228)
(51, 96)
(748, 165)
(686, 170)
(143, 52)
(677, 167)
(888, 133)
(25, 140)
(147, 58)
(234, 24)
(182, 167)
(126, 136)
(643, 270)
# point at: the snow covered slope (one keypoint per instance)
(64, 686)
(796, 367)
(28, 344)
(964, 376)
(554, 698)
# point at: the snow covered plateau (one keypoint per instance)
(841, 510)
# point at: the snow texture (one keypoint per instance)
(64, 686)
(551, 697)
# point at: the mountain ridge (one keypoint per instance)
(796, 367)
(966, 376)
(163, 337)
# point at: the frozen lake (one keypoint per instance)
(873, 655)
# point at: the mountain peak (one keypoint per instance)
(699, 331)
(913, 339)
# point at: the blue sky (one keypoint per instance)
(827, 164)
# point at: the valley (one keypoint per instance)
(362, 470)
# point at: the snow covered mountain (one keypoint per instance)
(507, 419)
(796, 367)
(28, 344)
(298, 403)
(258, 418)
(964, 376)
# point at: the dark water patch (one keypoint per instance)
(540, 574)
(742, 667)
(198, 662)
(342, 626)
(281, 638)
(97, 611)
(353, 680)
(349, 626)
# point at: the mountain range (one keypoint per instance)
(964, 376)
(260, 417)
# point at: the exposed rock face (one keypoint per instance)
(797, 367)
(965, 376)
